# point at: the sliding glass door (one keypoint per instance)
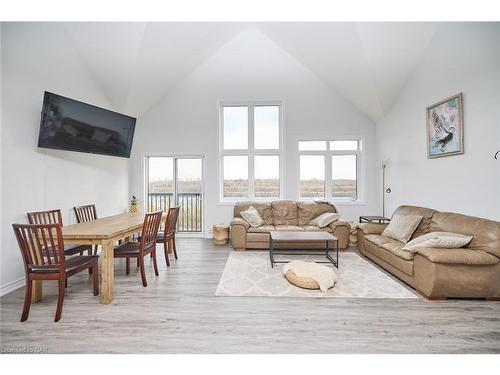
(177, 180)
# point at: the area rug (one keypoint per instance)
(249, 273)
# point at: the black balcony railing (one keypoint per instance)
(190, 213)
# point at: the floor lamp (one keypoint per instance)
(384, 189)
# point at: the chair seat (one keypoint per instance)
(129, 249)
(71, 264)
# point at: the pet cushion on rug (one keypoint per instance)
(301, 271)
(448, 240)
(252, 217)
(402, 227)
(324, 220)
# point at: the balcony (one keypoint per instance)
(189, 220)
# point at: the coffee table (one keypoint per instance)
(303, 237)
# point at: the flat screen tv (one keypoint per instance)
(68, 124)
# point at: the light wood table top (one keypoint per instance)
(301, 236)
(109, 227)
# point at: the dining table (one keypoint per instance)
(105, 232)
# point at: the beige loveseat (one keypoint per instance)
(471, 272)
(283, 215)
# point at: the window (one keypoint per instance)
(330, 169)
(312, 176)
(235, 176)
(250, 151)
(267, 176)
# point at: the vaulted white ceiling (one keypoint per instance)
(137, 64)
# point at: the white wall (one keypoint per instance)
(249, 67)
(463, 57)
(38, 57)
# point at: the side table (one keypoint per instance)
(374, 219)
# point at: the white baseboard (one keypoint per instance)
(10, 287)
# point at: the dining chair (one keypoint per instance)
(55, 217)
(42, 249)
(145, 246)
(168, 235)
(84, 214)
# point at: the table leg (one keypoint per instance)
(337, 251)
(36, 293)
(107, 272)
(271, 255)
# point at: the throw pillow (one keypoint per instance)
(252, 217)
(438, 239)
(324, 220)
(402, 227)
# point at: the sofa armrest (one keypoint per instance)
(240, 221)
(340, 223)
(372, 228)
(341, 229)
(458, 256)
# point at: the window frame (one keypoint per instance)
(251, 152)
(328, 153)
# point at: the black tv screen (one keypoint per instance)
(68, 124)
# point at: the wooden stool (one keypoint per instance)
(220, 234)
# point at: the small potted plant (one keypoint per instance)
(133, 204)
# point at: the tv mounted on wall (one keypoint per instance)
(69, 124)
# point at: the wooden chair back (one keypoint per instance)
(41, 245)
(85, 213)
(45, 217)
(171, 222)
(150, 230)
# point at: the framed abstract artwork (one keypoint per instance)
(445, 127)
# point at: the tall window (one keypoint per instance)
(250, 151)
(330, 169)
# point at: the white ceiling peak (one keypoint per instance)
(138, 63)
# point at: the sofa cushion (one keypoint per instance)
(262, 229)
(284, 212)
(438, 239)
(288, 228)
(395, 247)
(264, 210)
(378, 239)
(315, 228)
(252, 216)
(389, 244)
(403, 265)
(458, 256)
(402, 227)
(486, 232)
(324, 220)
(426, 214)
(310, 210)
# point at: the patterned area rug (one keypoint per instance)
(249, 273)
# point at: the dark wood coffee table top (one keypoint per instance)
(302, 236)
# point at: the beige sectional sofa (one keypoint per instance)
(283, 215)
(470, 272)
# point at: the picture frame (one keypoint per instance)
(445, 127)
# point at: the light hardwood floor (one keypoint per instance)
(178, 313)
